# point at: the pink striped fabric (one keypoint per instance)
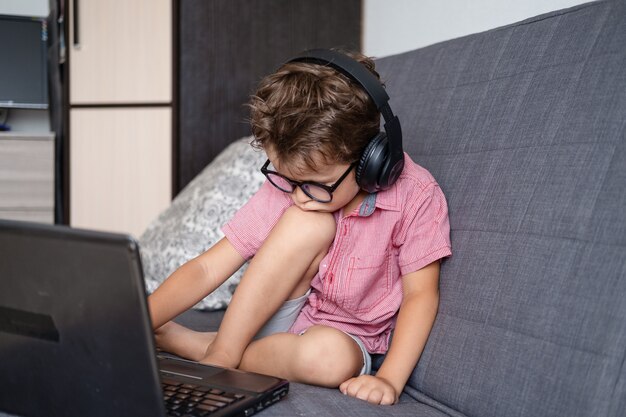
(358, 288)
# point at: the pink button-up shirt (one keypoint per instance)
(358, 288)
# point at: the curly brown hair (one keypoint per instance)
(305, 111)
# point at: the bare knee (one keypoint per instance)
(326, 359)
(313, 227)
(310, 234)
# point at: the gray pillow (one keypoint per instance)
(192, 223)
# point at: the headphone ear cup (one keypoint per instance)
(372, 163)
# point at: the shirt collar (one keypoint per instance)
(386, 200)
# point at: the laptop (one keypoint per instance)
(76, 338)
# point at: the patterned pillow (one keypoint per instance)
(191, 224)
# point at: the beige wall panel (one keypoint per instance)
(120, 167)
(124, 54)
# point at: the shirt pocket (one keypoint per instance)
(368, 283)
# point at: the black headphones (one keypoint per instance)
(383, 159)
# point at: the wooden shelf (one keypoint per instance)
(27, 176)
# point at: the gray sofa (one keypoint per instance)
(524, 128)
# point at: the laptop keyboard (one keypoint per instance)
(194, 400)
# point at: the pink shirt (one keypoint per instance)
(358, 288)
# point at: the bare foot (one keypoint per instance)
(184, 342)
(219, 358)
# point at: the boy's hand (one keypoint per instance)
(370, 388)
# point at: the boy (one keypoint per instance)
(352, 265)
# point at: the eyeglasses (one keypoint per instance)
(319, 192)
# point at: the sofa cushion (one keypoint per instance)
(192, 223)
(523, 127)
(306, 400)
(311, 400)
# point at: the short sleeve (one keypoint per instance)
(252, 223)
(424, 235)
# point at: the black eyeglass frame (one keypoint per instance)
(302, 184)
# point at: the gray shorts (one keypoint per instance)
(285, 317)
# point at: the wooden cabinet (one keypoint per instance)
(120, 113)
(27, 177)
(121, 167)
(121, 52)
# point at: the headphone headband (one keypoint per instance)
(350, 68)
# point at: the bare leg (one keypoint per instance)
(184, 342)
(190, 344)
(322, 356)
(282, 269)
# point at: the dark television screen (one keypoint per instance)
(23, 69)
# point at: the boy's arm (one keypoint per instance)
(415, 320)
(193, 281)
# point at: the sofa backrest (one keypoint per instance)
(524, 129)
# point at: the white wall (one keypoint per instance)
(394, 26)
